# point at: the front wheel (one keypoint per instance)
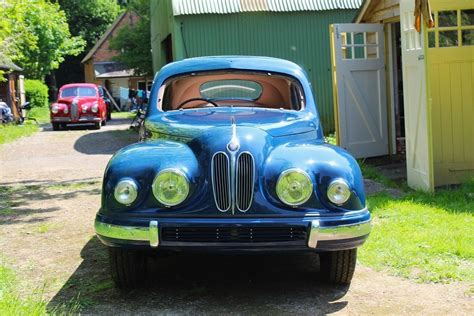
(128, 267)
(337, 267)
(56, 126)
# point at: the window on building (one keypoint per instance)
(453, 28)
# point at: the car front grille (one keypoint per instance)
(221, 181)
(245, 179)
(74, 111)
(233, 186)
(239, 234)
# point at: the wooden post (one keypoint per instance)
(12, 96)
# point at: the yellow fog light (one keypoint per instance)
(170, 187)
(294, 187)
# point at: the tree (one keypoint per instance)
(134, 43)
(41, 36)
(88, 19)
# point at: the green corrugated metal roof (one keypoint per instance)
(193, 7)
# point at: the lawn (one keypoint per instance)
(426, 237)
(10, 301)
(11, 132)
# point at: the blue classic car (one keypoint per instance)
(233, 159)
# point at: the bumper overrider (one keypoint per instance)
(320, 233)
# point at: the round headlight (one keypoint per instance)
(54, 109)
(95, 108)
(65, 110)
(294, 187)
(126, 191)
(170, 187)
(84, 108)
(338, 192)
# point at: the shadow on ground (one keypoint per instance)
(15, 201)
(204, 283)
(105, 143)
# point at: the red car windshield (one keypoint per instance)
(78, 92)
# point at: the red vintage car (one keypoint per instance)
(80, 103)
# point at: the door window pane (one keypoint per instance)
(431, 39)
(347, 52)
(467, 17)
(448, 38)
(468, 37)
(447, 18)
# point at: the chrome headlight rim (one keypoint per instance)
(126, 182)
(333, 184)
(55, 109)
(306, 175)
(175, 171)
(95, 107)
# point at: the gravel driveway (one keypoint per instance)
(52, 183)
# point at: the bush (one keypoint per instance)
(36, 93)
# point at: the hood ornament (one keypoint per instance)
(234, 143)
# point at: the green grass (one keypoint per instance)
(10, 301)
(11, 132)
(370, 172)
(123, 115)
(331, 139)
(423, 236)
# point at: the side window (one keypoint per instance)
(101, 92)
(453, 28)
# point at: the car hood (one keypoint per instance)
(194, 123)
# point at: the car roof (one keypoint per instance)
(210, 63)
(72, 85)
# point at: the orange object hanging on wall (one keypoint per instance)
(423, 10)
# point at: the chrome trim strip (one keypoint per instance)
(345, 231)
(154, 234)
(313, 234)
(133, 233)
(342, 214)
(214, 184)
(237, 184)
(122, 232)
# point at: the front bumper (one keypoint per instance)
(318, 233)
(68, 120)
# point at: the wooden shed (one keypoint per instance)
(398, 90)
(11, 86)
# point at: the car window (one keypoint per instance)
(231, 89)
(101, 92)
(78, 92)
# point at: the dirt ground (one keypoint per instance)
(51, 192)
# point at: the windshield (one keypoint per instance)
(78, 92)
(231, 89)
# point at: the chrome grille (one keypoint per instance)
(74, 111)
(221, 181)
(245, 179)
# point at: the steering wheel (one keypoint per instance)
(197, 99)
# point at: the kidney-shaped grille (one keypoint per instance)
(74, 110)
(221, 181)
(245, 180)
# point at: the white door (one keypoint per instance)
(359, 81)
(418, 146)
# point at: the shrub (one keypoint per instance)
(36, 93)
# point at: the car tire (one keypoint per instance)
(98, 125)
(337, 267)
(56, 126)
(104, 122)
(109, 115)
(127, 266)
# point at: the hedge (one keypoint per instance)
(36, 93)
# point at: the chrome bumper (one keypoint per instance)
(84, 119)
(150, 234)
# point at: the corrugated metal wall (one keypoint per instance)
(302, 37)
